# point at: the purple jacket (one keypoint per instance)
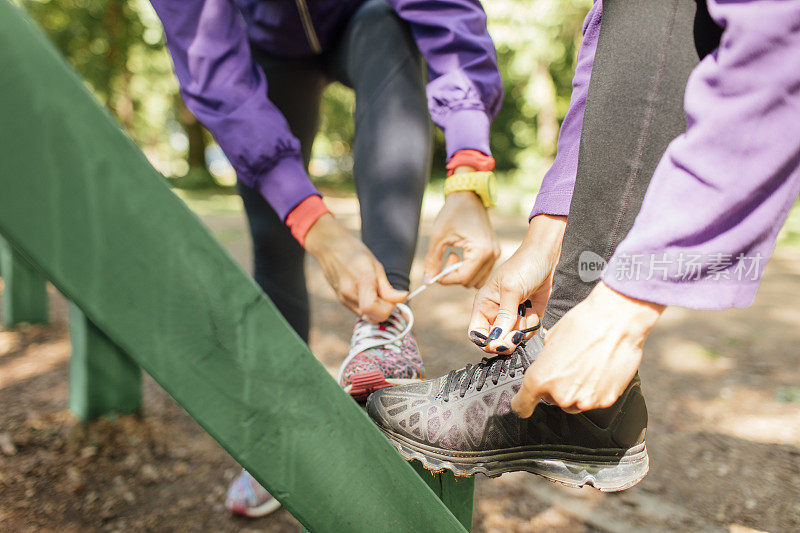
(722, 190)
(227, 91)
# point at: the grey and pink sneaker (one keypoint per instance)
(247, 497)
(463, 422)
(381, 355)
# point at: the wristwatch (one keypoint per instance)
(481, 183)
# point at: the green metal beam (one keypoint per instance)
(80, 200)
(24, 298)
(102, 379)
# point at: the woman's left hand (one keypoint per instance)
(463, 223)
(527, 275)
(590, 355)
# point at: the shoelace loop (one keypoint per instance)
(477, 374)
(367, 335)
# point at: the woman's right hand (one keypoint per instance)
(527, 275)
(354, 273)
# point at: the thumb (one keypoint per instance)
(506, 320)
(524, 402)
(385, 290)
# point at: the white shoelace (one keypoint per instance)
(368, 335)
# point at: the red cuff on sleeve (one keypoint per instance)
(472, 158)
(301, 218)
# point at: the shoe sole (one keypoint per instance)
(363, 384)
(264, 509)
(575, 467)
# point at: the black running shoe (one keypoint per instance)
(463, 422)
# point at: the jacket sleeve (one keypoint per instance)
(465, 92)
(555, 194)
(227, 92)
(723, 189)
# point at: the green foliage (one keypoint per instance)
(537, 43)
(790, 232)
(118, 48)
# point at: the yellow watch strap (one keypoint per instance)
(478, 182)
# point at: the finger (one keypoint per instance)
(433, 258)
(567, 400)
(529, 325)
(469, 279)
(483, 312)
(479, 330)
(372, 308)
(349, 298)
(524, 402)
(377, 311)
(478, 338)
(457, 277)
(545, 397)
(386, 292)
(486, 270)
(505, 322)
(480, 278)
(526, 328)
(353, 306)
(567, 405)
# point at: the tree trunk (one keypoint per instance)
(197, 139)
(198, 176)
(118, 101)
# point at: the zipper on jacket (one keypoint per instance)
(308, 26)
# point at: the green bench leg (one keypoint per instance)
(455, 493)
(102, 379)
(24, 298)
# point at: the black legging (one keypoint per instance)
(634, 109)
(377, 57)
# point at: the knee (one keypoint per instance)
(377, 23)
(373, 12)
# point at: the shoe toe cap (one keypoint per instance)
(375, 408)
(399, 409)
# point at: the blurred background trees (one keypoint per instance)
(118, 49)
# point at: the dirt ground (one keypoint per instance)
(723, 391)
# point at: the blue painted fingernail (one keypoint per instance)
(528, 304)
(477, 338)
(494, 334)
(502, 348)
(517, 337)
(521, 310)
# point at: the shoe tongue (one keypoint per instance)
(381, 326)
(365, 332)
(532, 348)
(527, 354)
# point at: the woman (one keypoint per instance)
(714, 190)
(253, 73)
